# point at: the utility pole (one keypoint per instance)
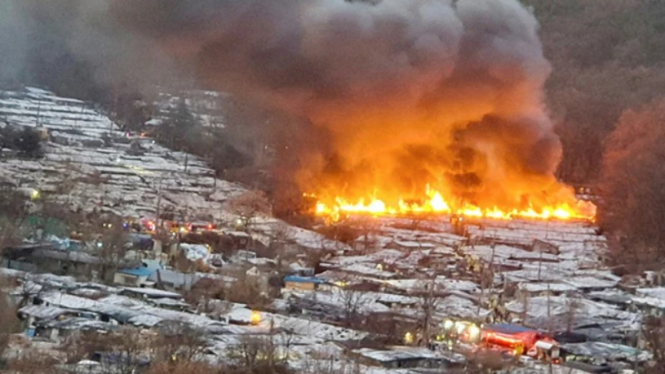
(159, 203)
(39, 111)
(114, 110)
(482, 281)
(540, 264)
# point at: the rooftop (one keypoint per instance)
(297, 279)
(152, 293)
(137, 272)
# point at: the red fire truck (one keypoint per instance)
(521, 340)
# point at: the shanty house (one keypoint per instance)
(137, 277)
(403, 357)
(544, 247)
(294, 282)
(173, 280)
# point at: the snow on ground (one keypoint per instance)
(125, 177)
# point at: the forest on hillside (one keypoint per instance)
(606, 97)
(607, 57)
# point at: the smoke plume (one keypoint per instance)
(408, 92)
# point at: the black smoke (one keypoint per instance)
(408, 93)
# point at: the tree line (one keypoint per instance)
(606, 98)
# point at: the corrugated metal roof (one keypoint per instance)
(298, 279)
(42, 312)
(507, 329)
(139, 272)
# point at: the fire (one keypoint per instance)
(435, 203)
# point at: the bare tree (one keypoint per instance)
(185, 367)
(526, 300)
(128, 349)
(120, 352)
(428, 293)
(9, 324)
(573, 305)
(391, 327)
(178, 342)
(259, 354)
(34, 362)
(632, 185)
(246, 290)
(653, 335)
(13, 214)
(280, 235)
(249, 205)
(264, 353)
(110, 243)
(82, 345)
(351, 298)
(365, 229)
(203, 292)
(27, 291)
(487, 362)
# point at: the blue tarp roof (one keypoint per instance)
(139, 272)
(505, 328)
(298, 279)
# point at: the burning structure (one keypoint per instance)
(411, 106)
(419, 106)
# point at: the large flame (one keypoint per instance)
(435, 204)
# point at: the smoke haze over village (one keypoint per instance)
(404, 94)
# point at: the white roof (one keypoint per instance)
(544, 345)
(367, 270)
(590, 282)
(153, 293)
(413, 244)
(129, 185)
(657, 292)
(176, 278)
(43, 312)
(546, 286)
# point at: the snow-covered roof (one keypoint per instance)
(506, 252)
(385, 255)
(412, 244)
(195, 252)
(402, 353)
(562, 310)
(152, 293)
(73, 256)
(168, 302)
(174, 278)
(652, 302)
(137, 272)
(546, 286)
(107, 176)
(81, 324)
(367, 270)
(455, 306)
(657, 292)
(385, 356)
(42, 312)
(582, 282)
(449, 284)
(608, 351)
(298, 279)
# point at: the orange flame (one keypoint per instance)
(436, 204)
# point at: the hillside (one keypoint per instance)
(119, 173)
(607, 57)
